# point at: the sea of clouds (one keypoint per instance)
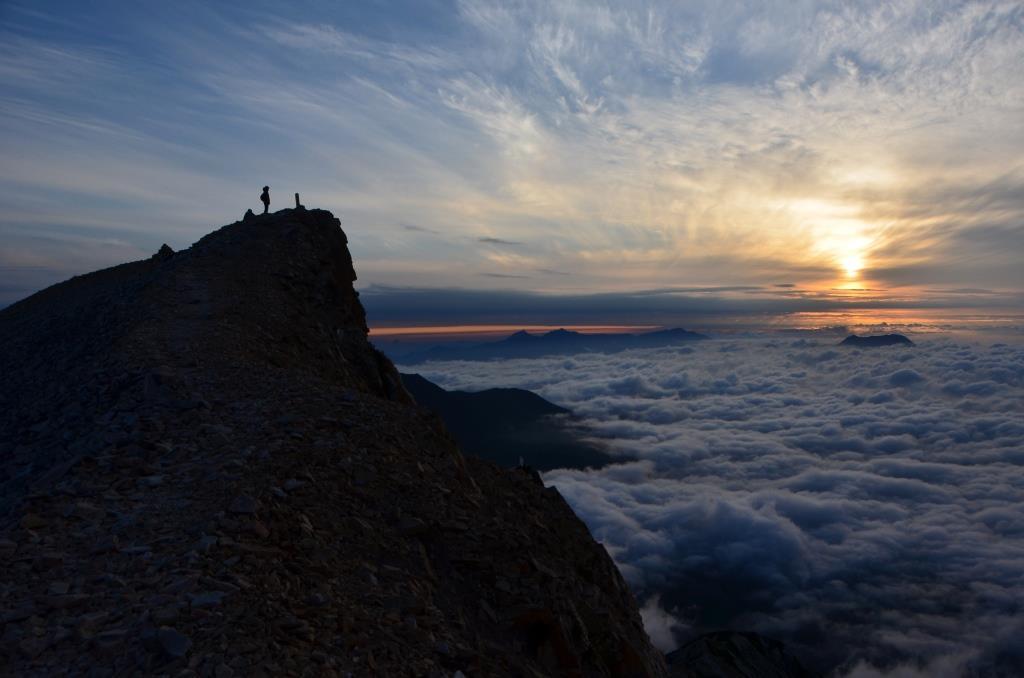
(864, 506)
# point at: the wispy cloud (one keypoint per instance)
(419, 229)
(388, 305)
(628, 146)
(498, 241)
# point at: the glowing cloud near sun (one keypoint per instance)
(852, 264)
(836, 231)
(557, 148)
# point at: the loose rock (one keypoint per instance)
(244, 504)
(173, 643)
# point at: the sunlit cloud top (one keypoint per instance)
(822, 150)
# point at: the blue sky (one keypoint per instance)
(855, 152)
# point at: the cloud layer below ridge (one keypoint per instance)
(863, 506)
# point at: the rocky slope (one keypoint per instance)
(205, 468)
(509, 426)
(734, 654)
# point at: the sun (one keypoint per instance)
(852, 264)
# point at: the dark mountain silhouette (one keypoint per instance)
(523, 344)
(507, 425)
(206, 469)
(732, 654)
(876, 340)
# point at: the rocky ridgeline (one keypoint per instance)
(205, 468)
(734, 654)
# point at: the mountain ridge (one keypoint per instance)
(509, 426)
(523, 344)
(206, 466)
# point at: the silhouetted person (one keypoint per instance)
(265, 197)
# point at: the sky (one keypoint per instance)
(646, 159)
(864, 507)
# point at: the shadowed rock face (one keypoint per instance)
(509, 426)
(731, 654)
(876, 340)
(205, 464)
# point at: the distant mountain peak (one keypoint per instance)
(563, 335)
(522, 344)
(876, 340)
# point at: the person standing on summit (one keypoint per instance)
(265, 197)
